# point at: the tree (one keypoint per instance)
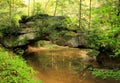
(10, 10)
(80, 11)
(28, 7)
(56, 5)
(105, 27)
(90, 14)
(33, 11)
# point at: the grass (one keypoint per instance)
(13, 69)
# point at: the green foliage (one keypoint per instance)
(15, 20)
(37, 9)
(41, 43)
(10, 16)
(104, 41)
(19, 51)
(46, 44)
(14, 69)
(115, 74)
(104, 32)
(7, 22)
(55, 27)
(8, 31)
(116, 48)
(93, 53)
(93, 39)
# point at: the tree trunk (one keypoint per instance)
(62, 9)
(28, 7)
(90, 14)
(80, 16)
(55, 7)
(10, 11)
(33, 12)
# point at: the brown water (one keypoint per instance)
(62, 65)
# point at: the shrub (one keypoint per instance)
(14, 69)
(104, 41)
(115, 74)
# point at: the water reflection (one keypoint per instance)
(62, 66)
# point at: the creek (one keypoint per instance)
(62, 65)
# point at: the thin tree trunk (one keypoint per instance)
(80, 10)
(28, 7)
(90, 14)
(55, 7)
(62, 9)
(80, 16)
(33, 8)
(10, 11)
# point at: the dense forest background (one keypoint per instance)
(96, 23)
(98, 20)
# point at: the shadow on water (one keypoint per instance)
(61, 66)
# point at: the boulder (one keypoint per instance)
(41, 27)
(78, 41)
(31, 29)
(19, 40)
